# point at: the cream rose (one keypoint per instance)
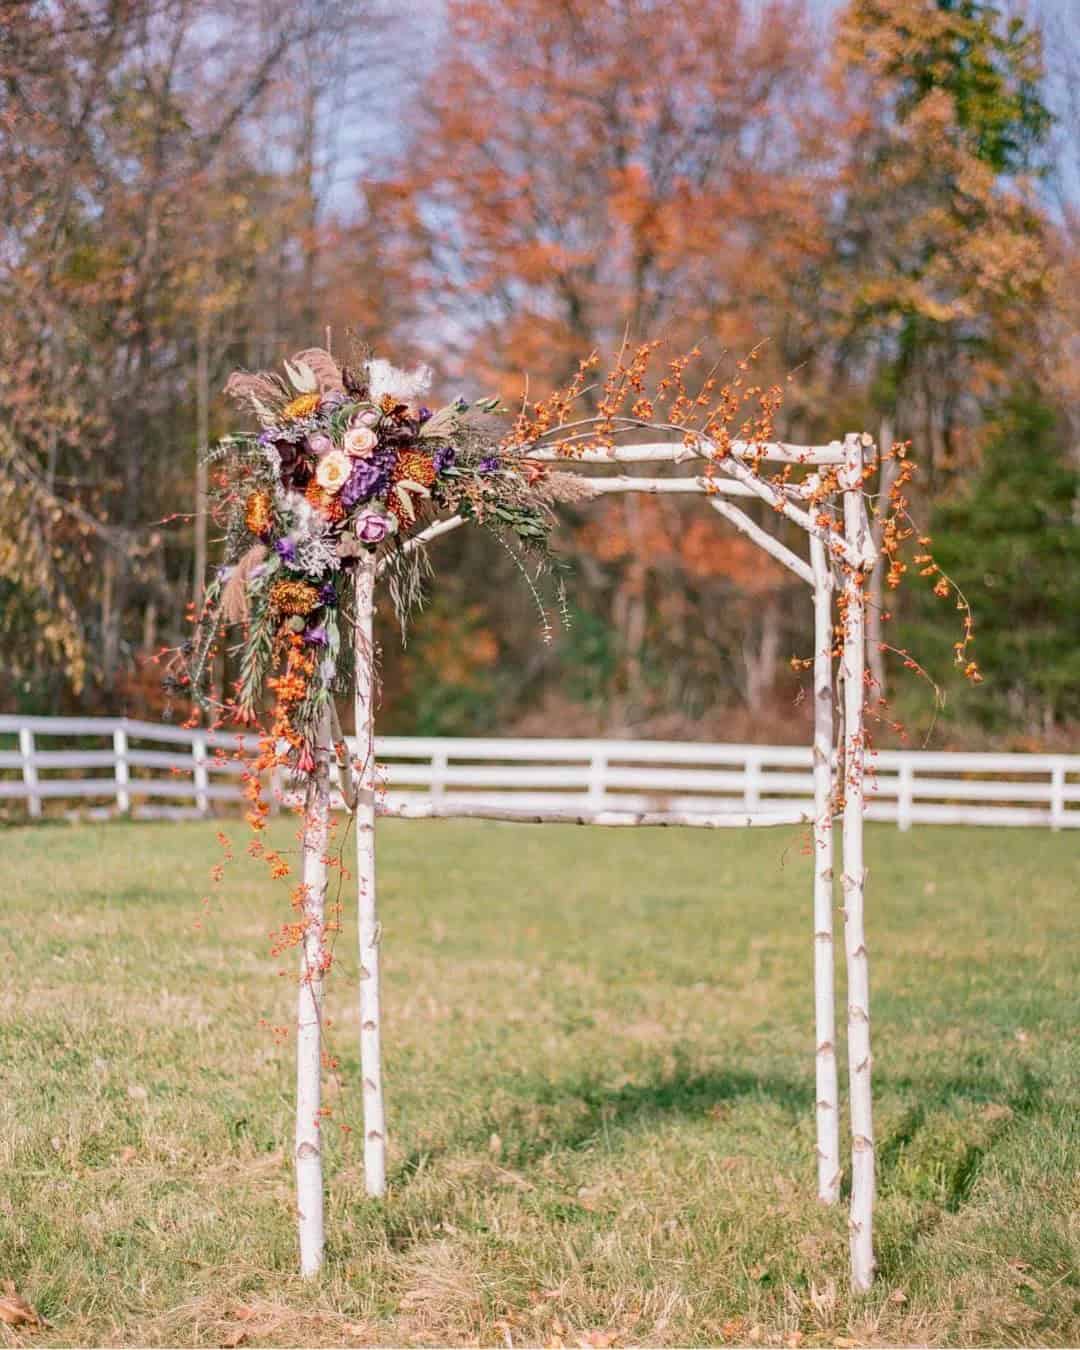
(333, 470)
(360, 441)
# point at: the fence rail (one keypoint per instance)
(118, 766)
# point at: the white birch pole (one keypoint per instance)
(859, 1060)
(370, 1018)
(827, 1096)
(309, 1177)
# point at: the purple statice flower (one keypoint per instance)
(369, 478)
(286, 550)
(423, 415)
(489, 464)
(444, 458)
(316, 636)
(327, 594)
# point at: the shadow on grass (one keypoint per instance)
(1023, 1097)
(581, 1109)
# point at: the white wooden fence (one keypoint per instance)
(113, 766)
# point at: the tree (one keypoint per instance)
(580, 170)
(1011, 538)
(939, 265)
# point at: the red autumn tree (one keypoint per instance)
(580, 170)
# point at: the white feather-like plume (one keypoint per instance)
(404, 386)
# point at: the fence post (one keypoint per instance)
(597, 792)
(439, 765)
(1057, 795)
(904, 793)
(202, 778)
(120, 750)
(752, 782)
(29, 771)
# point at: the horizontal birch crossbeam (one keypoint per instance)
(450, 810)
(725, 487)
(675, 452)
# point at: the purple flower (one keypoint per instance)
(423, 415)
(444, 458)
(327, 594)
(372, 527)
(369, 478)
(286, 550)
(320, 443)
(316, 636)
(489, 464)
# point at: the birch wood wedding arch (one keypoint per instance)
(840, 554)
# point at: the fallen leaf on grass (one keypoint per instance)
(898, 1296)
(14, 1309)
(243, 1313)
(234, 1338)
(596, 1340)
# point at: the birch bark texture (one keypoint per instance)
(368, 916)
(309, 1176)
(827, 1097)
(856, 529)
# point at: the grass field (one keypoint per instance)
(599, 1056)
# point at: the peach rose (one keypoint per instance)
(360, 441)
(332, 472)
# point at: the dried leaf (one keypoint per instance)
(14, 1309)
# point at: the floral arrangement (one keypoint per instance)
(348, 463)
(349, 466)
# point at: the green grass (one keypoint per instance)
(599, 1056)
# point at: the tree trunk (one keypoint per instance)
(369, 934)
(760, 658)
(309, 1177)
(828, 1101)
(202, 438)
(859, 1061)
(876, 588)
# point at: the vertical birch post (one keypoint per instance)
(309, 1178)
(827, 1095)
(859, 1060)
(370, 1019)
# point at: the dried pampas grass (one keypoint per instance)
(323, 366)
(235, 607)
(565, 487)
